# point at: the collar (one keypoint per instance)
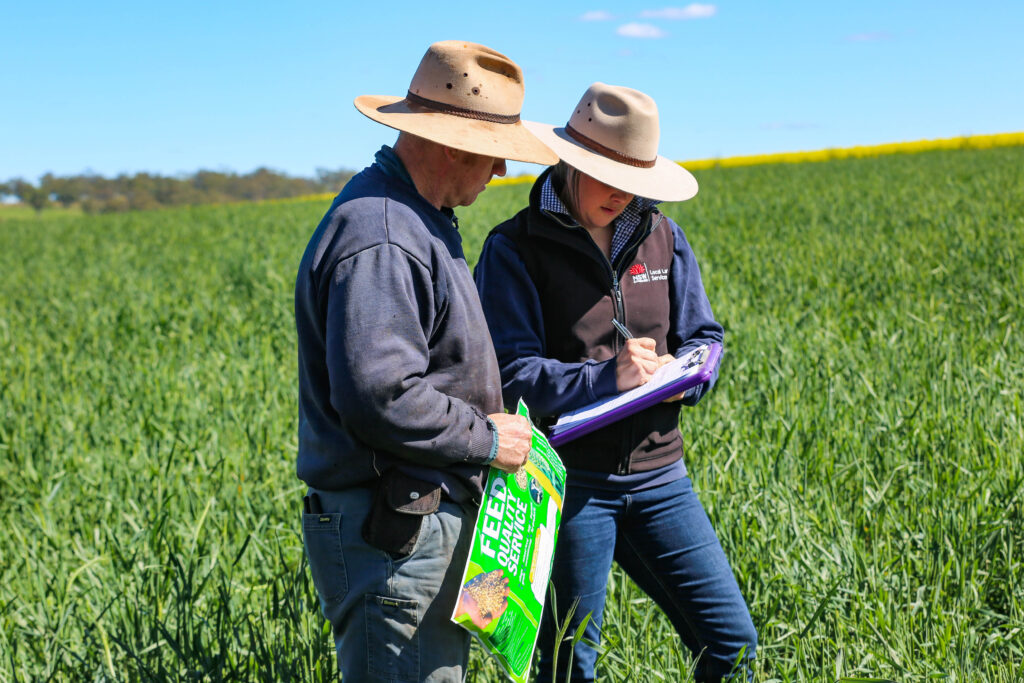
(625, 225)
(392, 165)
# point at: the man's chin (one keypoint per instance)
(472, 199)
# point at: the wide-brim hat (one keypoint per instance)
(466, 96)
(612, 136)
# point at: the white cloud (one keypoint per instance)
(691, 11)
(640, 31)
(597, 15)
(876, 37)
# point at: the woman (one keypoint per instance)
(592, 248)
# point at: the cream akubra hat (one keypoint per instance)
(466, 96)
(612, 136)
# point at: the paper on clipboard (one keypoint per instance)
(692, 369)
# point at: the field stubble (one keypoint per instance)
(860, 457)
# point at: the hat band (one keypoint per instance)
(461, 111)
(596, 146)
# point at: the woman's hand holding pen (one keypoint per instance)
(636, 362)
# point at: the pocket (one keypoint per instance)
(400, 503)
(392, 638)
(322, 536)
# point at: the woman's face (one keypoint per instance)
(599, 204)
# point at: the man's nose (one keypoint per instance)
(499, 168)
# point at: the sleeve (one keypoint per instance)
(513, 311)
(378, 360)
(692, 323)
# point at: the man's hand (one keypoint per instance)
(635, 363)
(515, 436)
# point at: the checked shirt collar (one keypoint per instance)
(625, 224)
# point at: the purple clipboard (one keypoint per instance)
(692, 369)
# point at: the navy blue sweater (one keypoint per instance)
(396, 367)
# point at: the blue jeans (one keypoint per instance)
(664, 541)
(391, 618)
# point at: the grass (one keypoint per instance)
(860, 457)
(867, 474)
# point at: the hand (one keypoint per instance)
(515, 437)
(665, 359)
(635, 363)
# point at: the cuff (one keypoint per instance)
(602, 379)
(493, 429)
(693, 395)
(483, 440)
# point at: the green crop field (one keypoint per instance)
(861, 457)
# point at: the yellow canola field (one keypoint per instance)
(858, 152)
(861, 151)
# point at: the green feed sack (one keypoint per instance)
(506, 576)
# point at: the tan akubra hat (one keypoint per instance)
(466, 96)
(612, 136)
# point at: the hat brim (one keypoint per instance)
(666, 181)
(499, 140)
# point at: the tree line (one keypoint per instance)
(97, 194)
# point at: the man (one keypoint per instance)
(400, 410)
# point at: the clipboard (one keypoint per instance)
(694, 368)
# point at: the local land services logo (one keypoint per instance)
(641, 274)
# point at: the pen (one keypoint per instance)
(623, 330)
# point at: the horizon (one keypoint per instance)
(1008, 139)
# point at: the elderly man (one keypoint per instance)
(400, 410)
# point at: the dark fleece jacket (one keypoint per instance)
(550, 294)
(396, 367)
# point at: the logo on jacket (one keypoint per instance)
(640, 273)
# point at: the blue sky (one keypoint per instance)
(170, 88)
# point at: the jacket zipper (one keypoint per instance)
(618, 304)
(618, 307)
(620, 314)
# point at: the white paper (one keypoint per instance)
(689, 364)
